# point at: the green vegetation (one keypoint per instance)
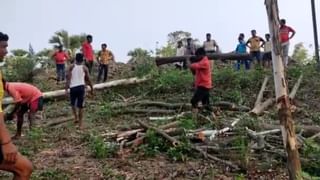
(19, 69)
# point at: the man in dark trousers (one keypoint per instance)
(88, 53)
(203, 83)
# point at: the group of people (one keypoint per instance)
(29, 99)
(255, 43)
(103, 58)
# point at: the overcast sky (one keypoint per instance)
(128, 24)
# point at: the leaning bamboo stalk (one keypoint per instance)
(260, 95)
(61, 93)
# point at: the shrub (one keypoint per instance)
(19, 69)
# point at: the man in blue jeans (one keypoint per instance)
(60, 57)
(241, 49)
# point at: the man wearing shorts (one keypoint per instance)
(286, 33)
(77, 78)
(27, 98)
(10, 159)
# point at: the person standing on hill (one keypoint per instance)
(180, 52)
(77, 79)
(255, 43)
(60, 57)
(104, 58)
(88, 53)
(210, 45)
(286, 33)
(267, 56)
(10, 159)
(242, 49)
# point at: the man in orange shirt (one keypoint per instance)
(104, 57)
(203, 82)
(26, 98)
(60, 57)
(10, 159)
(286, 33)
(88, 54)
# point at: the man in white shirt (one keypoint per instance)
(210, 45)
(267, 57)
(180, 52)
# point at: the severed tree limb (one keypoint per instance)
(176, 142)
(146, 111)
(309, 130)
(258, 110)
(160, 132)
(209, 156)
(295, 88)
(260, 95)
(169, 118)
(213, 133)
(60, 121)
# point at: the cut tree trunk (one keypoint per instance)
(281, 90)
(211, 56)
(61, 93)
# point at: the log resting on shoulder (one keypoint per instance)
(211, 56)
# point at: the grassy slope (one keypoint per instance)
(63, 152)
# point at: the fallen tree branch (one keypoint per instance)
(176, 142)
(258, 110)
(54, 123)
(209, 156)
(160, 132)
(146, 111)
(213, 133)
(260, 95)
(169, 118)
(61, 93)
(308, 130)
(295, 88)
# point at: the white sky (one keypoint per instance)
(128, 24)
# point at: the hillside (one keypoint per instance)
(61, 151)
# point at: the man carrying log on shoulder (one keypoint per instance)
(203, 83)
(77, 78)
(10, 159)
(27, 98)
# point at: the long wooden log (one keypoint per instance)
(260, 95)
(211, 56)
(308, 130)
(295, 88)
(61, 93)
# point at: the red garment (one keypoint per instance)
(203, 73)
(23, 92)
(60, 57)
(284, 33)
(87, 51)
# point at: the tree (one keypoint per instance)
(139, 53)
(19, 52)
(176, 36)
(44, 52)
(300, 54)
(282, 98)
(70, 43)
